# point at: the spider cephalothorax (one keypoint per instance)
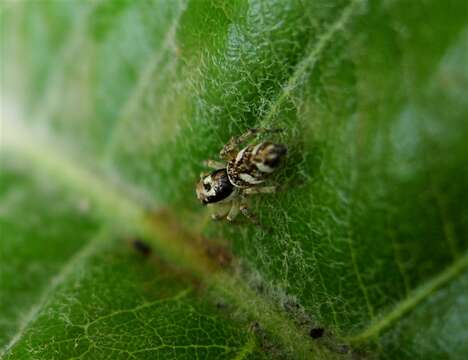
(240, 175)
(215, 187)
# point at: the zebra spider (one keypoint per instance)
(240, 175)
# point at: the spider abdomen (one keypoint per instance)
(254, 163)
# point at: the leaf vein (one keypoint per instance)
(146, 78)
(69, 268)
(247, 349)
(311, 59)
(417, 296)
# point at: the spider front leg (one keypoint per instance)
(232, 214)
(213, 164)
(229, 150)
(219, 211)
(260, 190)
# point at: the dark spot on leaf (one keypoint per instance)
(141, 247)
(316, 333)
(221, 305)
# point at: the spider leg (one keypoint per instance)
(244, 209)
(213, 164)
(204, 174)
(229, 150)
(233, 211)
(260, 190)
(216, 217)
(218, 211)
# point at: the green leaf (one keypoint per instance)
(109, 109)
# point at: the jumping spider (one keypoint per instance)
(240, 175)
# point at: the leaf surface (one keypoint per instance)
(109, 108)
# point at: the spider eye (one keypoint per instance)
(207, 187)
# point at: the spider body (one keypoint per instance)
(240, 175)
